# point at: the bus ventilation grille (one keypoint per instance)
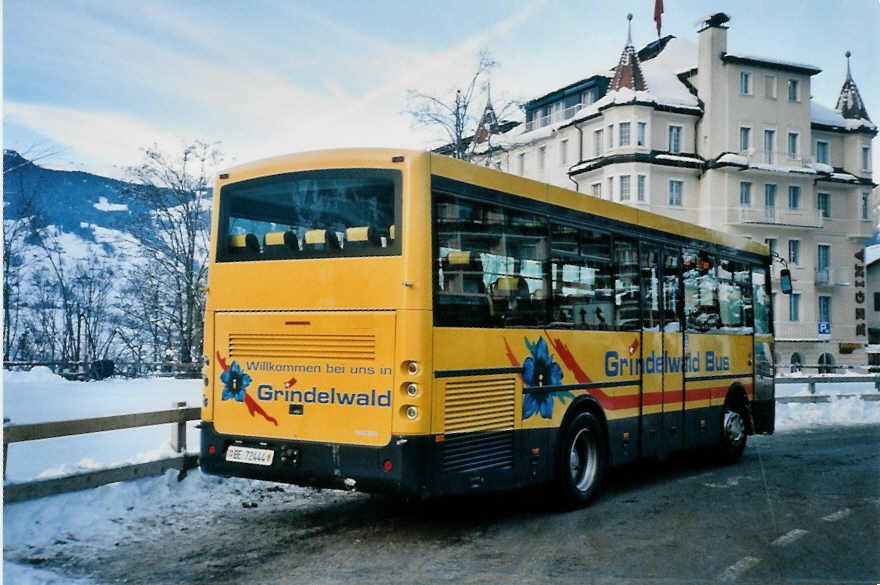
(469, 452)
(313, 346)
(480, 405)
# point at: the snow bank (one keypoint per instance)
(840, 411)
(41, 396)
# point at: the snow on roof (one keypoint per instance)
(733, 159)
(812, 69)
(664, 89)
(872, 254)
(820, 114)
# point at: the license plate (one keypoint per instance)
(250, 455)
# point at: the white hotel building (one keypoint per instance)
(731, 142)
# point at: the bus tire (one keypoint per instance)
(733, 434)
(583, 457)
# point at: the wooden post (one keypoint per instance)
(812, 387)
(178, 434)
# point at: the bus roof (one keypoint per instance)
(491, 179)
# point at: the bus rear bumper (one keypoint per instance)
(391, 468)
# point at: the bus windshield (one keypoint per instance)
(313, 214)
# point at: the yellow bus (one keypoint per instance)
(390, 320)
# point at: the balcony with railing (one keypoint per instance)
(553, 117)
(836, 276)
(779, 161)
(776, 216)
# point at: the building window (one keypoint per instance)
(794, 307)
(792, 90)
(641, 127)
(675, 139)
(745, 83)
(771, 245)
(793, 144)
(675, 188)
(794, 251)
(745, 194)
(610, 136)
(563, 152)
(769, 141)
(823, 257)
(796, 362)
(597, 142)
(542, 156)
(825, 309)
(522, 164)
(640, 189)
(877, 301)
(745, 138)
(823, 203)
(597, 190)
(866, 158)
(794, 196)
(624, 187)
(770, 87)
(610, 188)
(822, 151)
(623, 139)
(770, 202)
(865, 199)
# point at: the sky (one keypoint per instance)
(93, 83)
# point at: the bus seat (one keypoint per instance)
(361, 237)
(463, 272)
(391, 232)
(244, 246)
(321, 240)
(280, 244)
(510, 286)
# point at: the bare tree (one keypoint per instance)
(173, 231)
(453, 114)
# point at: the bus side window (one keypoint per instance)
(734, 297)
(700, 292)
(761, 301)
(626, 286)
(651, 290)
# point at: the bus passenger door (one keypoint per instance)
(673, 352)
(652, 352)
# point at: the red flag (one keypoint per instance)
(658, 15)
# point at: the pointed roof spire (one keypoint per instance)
(850, 104)
(629, 70)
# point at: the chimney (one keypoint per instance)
(711, 86)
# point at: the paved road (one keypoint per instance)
(801, 507)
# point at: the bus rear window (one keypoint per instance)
(311, 214)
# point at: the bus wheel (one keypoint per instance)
(733, 435)
(582, 460)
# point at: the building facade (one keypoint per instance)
(730, 142)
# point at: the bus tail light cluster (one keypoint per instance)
(412, 413)
(412, 368)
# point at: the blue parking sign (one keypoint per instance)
(823, 328)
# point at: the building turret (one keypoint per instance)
(629, 71)
(850, 104)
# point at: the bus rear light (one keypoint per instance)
(387, 465)
(412, 413)
(212, 450)
(412, 389)
(412, 368)
(207, 360)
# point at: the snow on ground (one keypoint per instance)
(108, 514)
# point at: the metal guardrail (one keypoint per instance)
(811, 381)
(178, 416)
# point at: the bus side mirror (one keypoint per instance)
(785, 281)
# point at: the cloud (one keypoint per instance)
(106, 138)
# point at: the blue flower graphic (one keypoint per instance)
(235, 382)
(539, 369)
